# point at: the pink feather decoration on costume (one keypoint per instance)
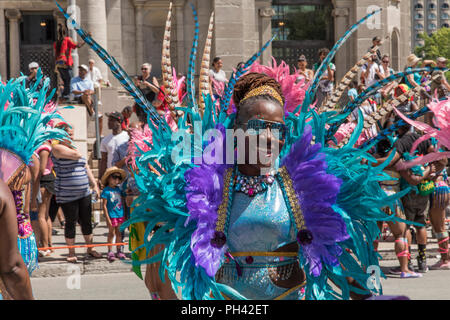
(294, 93)
(141, 138)
(441, 111)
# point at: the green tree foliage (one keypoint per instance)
(436, 45)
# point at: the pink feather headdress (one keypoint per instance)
(293, 91)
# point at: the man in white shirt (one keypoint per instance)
(111, 142)
(371, 72)
(94, 74)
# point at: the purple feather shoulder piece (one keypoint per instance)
(316, 191)
(204, 190)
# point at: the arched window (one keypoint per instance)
(418, 6)
(419, 26)
(445, 16)
(432, 26)
(445, 25)
(431, 6)
(445, 6)
(418, 16)
(432, 16)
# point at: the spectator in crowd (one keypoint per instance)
(216, 71)
(94, 74)
(111, 142)
(304, 72)
(113, 208)
(326, 81)
(73, 193)
(386, 71)
(13, 271)
(83, 88)
(376, 41)
(353, 91)
(149, 89)
(47, 189)
(412, 61)
(216, 74)
(440, 85)
(63, 52)
(31, 79)
(126, 113)
(371, 72)
(385, 68)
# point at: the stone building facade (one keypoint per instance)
(132, 30)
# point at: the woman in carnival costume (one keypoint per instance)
(293, 227)
(24, 126)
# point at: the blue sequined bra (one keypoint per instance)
(257, 227)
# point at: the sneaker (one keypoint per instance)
(111, 256)
(406, 275)
(120, 255)
(422, 266)
(441, 265)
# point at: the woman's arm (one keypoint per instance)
(63, 152)
(13, 270)
(413, 179)
(92, 180)
(410, 78)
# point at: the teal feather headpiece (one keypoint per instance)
(24, 124)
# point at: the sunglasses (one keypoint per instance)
(115, 177)
(144, 69)
(385, 61)
(257, 126)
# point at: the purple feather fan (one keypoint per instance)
(317, 192)
(204, 195)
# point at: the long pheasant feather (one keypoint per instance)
(388, 131)
(204, 70)
(190, 83)
(118, 72)
(314, 85)
(345, 81)
(367, 93)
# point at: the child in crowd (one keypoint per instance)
(113, 208)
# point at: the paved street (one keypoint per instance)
(435, 285)
(98, 279)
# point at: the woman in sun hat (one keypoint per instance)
(412, 61)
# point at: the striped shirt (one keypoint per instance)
(72, 182)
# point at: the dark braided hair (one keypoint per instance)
(252, 81)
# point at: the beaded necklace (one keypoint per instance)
(252, 185)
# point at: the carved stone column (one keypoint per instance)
(139, 20)
(3, 53)
(14, 16)
(265, 31)
(342, 58)
(96, 23)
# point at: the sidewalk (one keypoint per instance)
(56, 265)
